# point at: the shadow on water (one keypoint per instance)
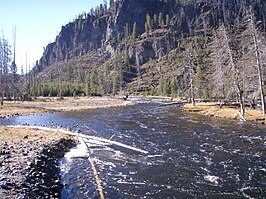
(190, 156)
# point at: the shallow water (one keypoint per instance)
(190, 156)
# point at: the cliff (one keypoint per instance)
(105, 36)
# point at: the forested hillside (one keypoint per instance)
(205, 49)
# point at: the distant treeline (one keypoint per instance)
(59, 90)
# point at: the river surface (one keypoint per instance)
(189, 156)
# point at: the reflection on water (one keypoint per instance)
(189, 156)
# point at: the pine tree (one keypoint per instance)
(126, 60)
(173, 87)
(147, 29)
(165, 87)
(160, 20)
(198, 80)
(134, 32)
(126, 32)
(155, 20)
(167, 20)
(148, 20)
(148, 24)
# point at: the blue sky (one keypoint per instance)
(37, 23)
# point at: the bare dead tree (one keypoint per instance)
(5, 59)
(191, 69)
(14, 66)
(254, 47)
(1, 71)
(234, 71)
(217, 73)
(225, 61)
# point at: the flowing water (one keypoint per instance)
(189, 156)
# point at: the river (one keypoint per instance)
(189, 156)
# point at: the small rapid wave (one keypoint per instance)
(189, 156)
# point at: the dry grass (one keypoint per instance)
(213, 109)
(42, 105)
(11, 136)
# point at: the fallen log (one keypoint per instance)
(103, 140)
(96, 175)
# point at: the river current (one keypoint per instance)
(189, 156)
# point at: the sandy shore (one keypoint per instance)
(28, 160)
(213, 109)
(43, 105)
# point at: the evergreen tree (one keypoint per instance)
(161, 82)
(199, 80)
(160, 20)
(167, 20)
(173, 87)
(118, 39)
(148, 20)
(70, 72)
(126, 60)
(147, 29)
(134, 32)
(155, 20)
(126, 32)
(87, 88)
(149, 24)
(165, 87)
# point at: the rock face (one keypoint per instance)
(100, 30)
(75, 39)
(92, 32)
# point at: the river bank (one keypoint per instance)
(213, 109)
(45, 105)
(28, 159)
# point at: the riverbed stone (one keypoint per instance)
(32, 172)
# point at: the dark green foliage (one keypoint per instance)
(134, 32)
(68, 89)
(160, 20)
(147, 28)
(174, 87)
(163, 86)
(70, 72)
(155, 20)
(167, 20)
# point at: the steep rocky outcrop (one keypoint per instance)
(91, 32)
(103, 34)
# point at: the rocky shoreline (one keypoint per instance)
(29, 162)
(29, 157)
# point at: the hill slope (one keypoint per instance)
(153, 46)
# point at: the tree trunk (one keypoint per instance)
(241, 103)
(2, 86)
(192, 91)
(259, 68)
(2, 98)
(235, 71)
